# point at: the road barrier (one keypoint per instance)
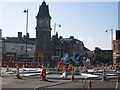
(104, 75)
(17, 74)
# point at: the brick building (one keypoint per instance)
(102, 56)
(116, 47)
(70, 45)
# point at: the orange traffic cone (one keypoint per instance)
(43, 74)
(72, 78)
(7, 67)
(104, 75)
(17, 75)
(90, 84)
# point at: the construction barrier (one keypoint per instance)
(72, 74)
(17, 73)
(104, 75)
(27, 64)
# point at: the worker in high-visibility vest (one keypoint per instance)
(70, 67)
(61, 65)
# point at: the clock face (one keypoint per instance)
(40, 22)
(44, 23)
(47, 22)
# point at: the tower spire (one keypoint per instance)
(43, 10)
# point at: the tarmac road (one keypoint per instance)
(27, 83)
(9, 83)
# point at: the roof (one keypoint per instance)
(43, 11)
(71, 40)
(19, 40)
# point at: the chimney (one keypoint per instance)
(28, 35)
(72, 37)
(19, 34)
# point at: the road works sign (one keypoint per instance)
(40, 55)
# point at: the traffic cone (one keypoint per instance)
(43, 74)
(104, 75)
(72, 78)
(23, 65)
(7, 68)
(90, 84)
(17, 75)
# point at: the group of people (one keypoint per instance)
(63, 67)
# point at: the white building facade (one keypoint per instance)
(15, 47)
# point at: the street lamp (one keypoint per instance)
(26, 11)
(55, 27)
(111, 30)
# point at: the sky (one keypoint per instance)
(86, 20)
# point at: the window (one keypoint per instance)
(14, 47)
(22, 48)
(29, 48)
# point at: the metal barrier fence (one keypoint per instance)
(83, 84)
(21, 64)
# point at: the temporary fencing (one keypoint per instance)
(26, 64)
(80, 84)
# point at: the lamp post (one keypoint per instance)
(26, 11)
(111, 30)
(55, 27)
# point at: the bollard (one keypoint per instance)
(118, 79)
(104, 75)
(72, 73)
(7, 68)
(90, 84)
(117, 83)
(23, 64)
(17, 74)
(43, 74)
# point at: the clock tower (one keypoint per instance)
(43, 36)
